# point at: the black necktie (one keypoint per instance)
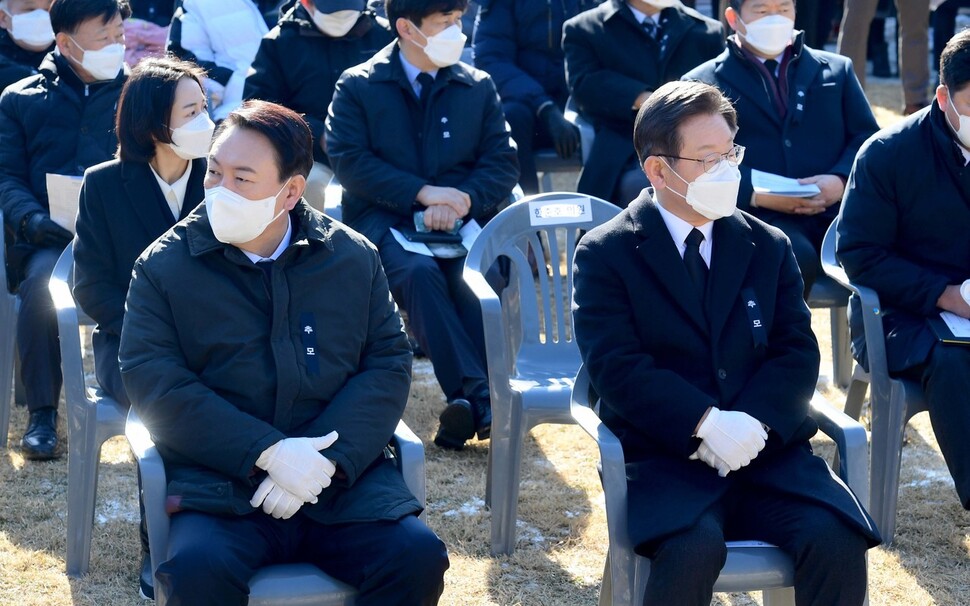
(696, 267)
(267, 266)
(650, 26)
(426, 81)
(772, 66)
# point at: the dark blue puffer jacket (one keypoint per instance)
(519, 43)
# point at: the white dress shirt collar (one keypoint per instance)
(174, 193)
(679, 230)
(284, 243)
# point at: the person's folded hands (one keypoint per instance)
(297, 466)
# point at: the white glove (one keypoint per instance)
(734, 437)
(276, 501)
(705, 454)
(297, 466)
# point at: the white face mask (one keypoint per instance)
(335, 25)
(769, 35)
(102, 64)
(235, 219)
(714, 195)
(444, 48)
(33, 28)
(192, 139)
(661, 3)
(963, 132)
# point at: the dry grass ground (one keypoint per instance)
(562, 530)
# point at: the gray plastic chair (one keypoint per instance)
(892, 402)
(92, 418)
(750, 565)
(532, 356)
(9, 305)
(279, 585)
(828, 294)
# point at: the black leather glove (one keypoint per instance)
(565, 136)
(40, 230)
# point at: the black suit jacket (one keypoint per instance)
(610, 60)
(121, 210)
(659, 363)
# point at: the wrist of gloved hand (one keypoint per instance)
(564, 135)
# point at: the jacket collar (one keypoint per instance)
(54, 65)
(386, 66)
(730, 258)
(309, 226)
(140, 186)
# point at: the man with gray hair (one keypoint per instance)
(690, 319)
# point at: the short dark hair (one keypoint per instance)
(736, 4)
(67, 15)
(657, 128)
(416, 10)
(955, 62)
(145, 105)
(286, 130)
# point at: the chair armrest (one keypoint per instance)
(852, 444)
(586, 131)
(410, 454)
(153, 486)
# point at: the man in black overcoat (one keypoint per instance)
(689, 316)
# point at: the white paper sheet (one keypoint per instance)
(770, 183)
(960, 327)
(62, 195)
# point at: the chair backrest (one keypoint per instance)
(8, 331)
(534, 239)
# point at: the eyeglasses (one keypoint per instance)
(712, 159)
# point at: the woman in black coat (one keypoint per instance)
(126, 203)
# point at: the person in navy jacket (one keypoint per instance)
(801, 114)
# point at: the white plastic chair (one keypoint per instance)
(750, 565)
(892, 402)
(532, 356)
(92, 418)
(278, 585)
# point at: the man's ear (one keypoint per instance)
(404, 29)
(655, 170)
(6, 21)
(294, 191)
(943, 97)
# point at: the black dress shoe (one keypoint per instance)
(482, 410)
(146, 583)
(457, 425)
(40, 440)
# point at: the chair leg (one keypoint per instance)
(606, 587)
(505, 454)
(7, 372)
(84, 454)
(841, 351)
(545, 183)
(856, 394)
(886, 450)
(784, 596)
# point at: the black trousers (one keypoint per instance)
(211, 558)
(945, 377)
(829, 556)
(444, 315)
(40, 354)
(529, 135)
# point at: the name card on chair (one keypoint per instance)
(576, 209)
